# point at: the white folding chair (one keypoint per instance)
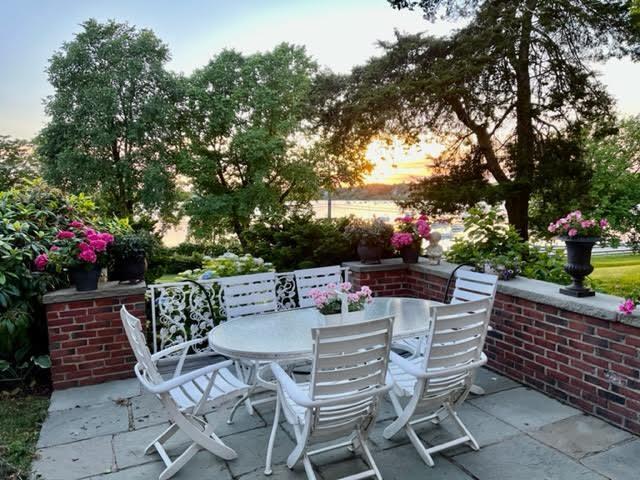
(243, 296)
(310, 278)
(469, 286)
(438, 381)
(184, 396)
(340, 401)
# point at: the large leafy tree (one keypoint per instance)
(504, 92)
(16, 162)
(250, 151)
(113, 130)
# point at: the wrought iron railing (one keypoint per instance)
(185, 310)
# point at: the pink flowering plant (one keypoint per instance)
(575, 225)
(410, 231)
(77, 246)
(328, 300)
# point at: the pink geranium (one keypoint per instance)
(76, 224)
(575, 225)
(627, 307)
(401, 239)
(572, 232)
(41, 261)
(106, 237)
(98, 245)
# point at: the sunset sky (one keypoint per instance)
(338, 33)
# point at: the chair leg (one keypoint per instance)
(419, 446)
(179, 462)
(308, 468)
(477, 390)
(472, 441)
(163, 437)
(272, 438)
(368, 456)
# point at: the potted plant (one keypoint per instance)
(129, 255)
(329, 300)
(580, 235)
(407, 239)
(82, 251)
(371, 237)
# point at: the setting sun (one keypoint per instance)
(396, 162)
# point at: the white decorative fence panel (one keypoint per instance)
(185, 310)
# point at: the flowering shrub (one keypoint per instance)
(574, 225)
(79, 246)
(227, 265)
(410, 231)
(627, 307)
(328, 300)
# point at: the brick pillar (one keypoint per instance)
(87, 342)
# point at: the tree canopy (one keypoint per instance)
(112, 129)
(506, 92)
(250, 150)
(16, 162)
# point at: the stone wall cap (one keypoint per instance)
(385, 265)
(105, 290)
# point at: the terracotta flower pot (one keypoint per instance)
(578, 265)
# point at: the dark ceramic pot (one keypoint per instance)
(369, 254)
(86, 280)
(578, 265)
(131, 270)
(410, 253)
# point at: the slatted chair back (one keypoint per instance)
(453, 348)
(310, 278)
(138, 343)
(474, 286)
(350, 365)
(244, 295)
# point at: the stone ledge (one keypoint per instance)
(601, 306)
(105, 290)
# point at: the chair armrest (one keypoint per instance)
(181, 380)
(299, 397)
(176, 348)
(407, 366)
(292, 389)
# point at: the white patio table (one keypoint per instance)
(285, 336)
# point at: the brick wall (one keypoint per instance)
(588, 362)
(87, 342)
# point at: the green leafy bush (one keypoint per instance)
(373, 233)
(227, 265)
(490, 242)
(30, 216)
(301, 242)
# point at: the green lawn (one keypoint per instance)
(617, 274)
(20, 420)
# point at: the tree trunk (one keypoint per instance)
(517, 206)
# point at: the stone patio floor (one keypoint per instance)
(100, 432)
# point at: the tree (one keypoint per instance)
(615, 187)
(113, 129)
(500, 91)
(251, 153)
(16, 162)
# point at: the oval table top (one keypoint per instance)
(286, 335)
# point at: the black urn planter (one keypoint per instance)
(131, 270)
(86, 280)
(410, 253)
(369, 254)
(578, 265)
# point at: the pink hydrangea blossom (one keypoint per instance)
(572, 232)
(423, 228)
(41, 261)
(82, 246)
(106, 237)
(76, 224)
(88, 256)
(552, 227)
(98, 245)
(89, 231)
(64, 234)
(627, 307)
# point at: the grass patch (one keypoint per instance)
(168, 278)
(616, 274)
(20, 420)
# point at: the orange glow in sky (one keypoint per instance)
(397, 162)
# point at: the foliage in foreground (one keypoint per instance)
(490, 242)
(20, 424)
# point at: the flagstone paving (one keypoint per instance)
(100, 433)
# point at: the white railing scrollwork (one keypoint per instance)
(181, 311)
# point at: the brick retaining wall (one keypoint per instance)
(576, 350)
(87, 342)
